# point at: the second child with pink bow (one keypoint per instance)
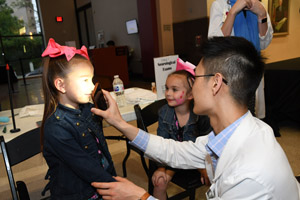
(73, 142)
(177, 121)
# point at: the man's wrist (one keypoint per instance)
(128, 130)
(263, 20)
(262, 15)
(145, 196)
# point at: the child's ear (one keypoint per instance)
(189, 95)
(60, 85)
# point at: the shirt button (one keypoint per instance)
(86, 147)
(77, 124)
(83, 134)
(57, 117)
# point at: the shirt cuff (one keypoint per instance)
(151, 198)
(141, 140)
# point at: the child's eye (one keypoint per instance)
(175, 90)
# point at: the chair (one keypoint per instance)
(16, 151)
(142, 125)
(188, 180)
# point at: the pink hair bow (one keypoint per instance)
(187, 66)
(54, 50)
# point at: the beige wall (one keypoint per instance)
(287, 47)
(165, 29)
(174, 11)
(110, 16)
(169, 12)
(282, 47)
(61, 32)
(184, 10)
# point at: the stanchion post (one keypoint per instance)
(22, 69)
(14, 130)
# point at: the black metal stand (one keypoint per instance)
(23, 74)
(14, 130)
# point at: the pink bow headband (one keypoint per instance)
(187, 66)
(54, 50)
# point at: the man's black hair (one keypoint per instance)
(238, 61)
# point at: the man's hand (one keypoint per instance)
(253, 5)
(240, 5)
(258, 9)
(113, 117)
(123, 189)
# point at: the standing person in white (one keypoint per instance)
(248, 19)
(241, 155)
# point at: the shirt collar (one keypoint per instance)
(216, 143)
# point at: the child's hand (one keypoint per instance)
(158, 174)
(204, 177)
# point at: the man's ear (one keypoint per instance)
(60, 85)
(217, 83)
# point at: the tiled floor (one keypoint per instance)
(32, 171)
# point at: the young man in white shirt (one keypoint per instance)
(241, 155)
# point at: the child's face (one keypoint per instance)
(78, 85)
(176, 90)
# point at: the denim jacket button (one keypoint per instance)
(83, 134)
(57, 117)
(77, 124)
(86, 147)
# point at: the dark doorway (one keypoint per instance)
(86, 25)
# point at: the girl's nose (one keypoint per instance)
(92, 86)
(167, 92)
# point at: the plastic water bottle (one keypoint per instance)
(119, 91)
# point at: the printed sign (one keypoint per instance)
(163, 66)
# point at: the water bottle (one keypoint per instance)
(119, 91)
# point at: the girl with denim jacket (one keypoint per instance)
(178, 122)
(73, 142)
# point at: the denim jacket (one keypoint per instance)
(197, 125)
(71, 152)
